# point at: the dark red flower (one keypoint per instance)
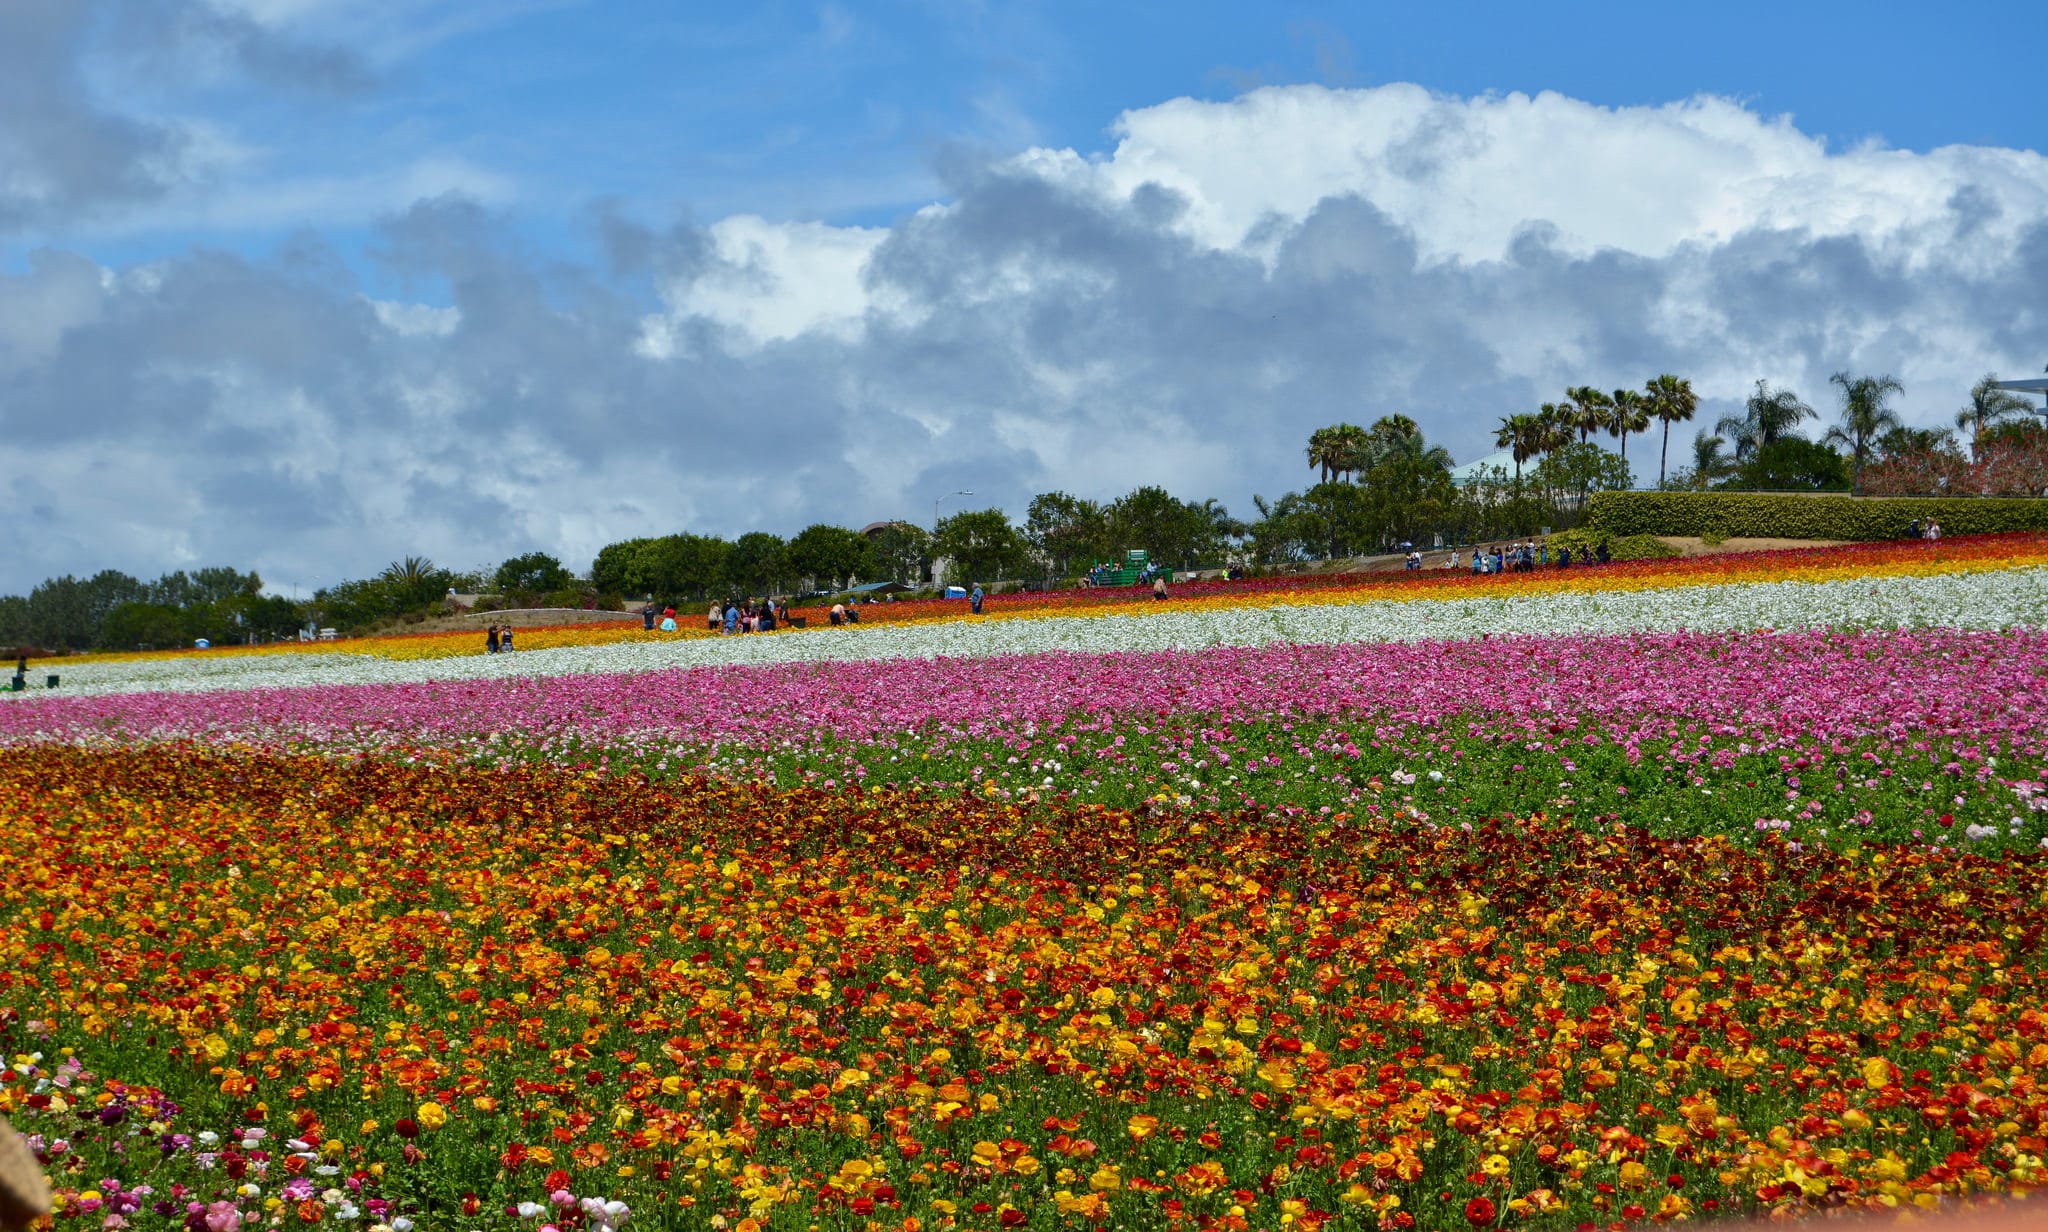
(1479, 1212)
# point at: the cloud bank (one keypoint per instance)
(1181, 308)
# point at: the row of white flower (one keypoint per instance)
(1983, 600)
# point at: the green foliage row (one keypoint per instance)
(1773, 516)
(1583, 542)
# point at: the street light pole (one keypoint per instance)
(935, 531)
(935, 507)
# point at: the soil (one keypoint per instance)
(1690, 545)
(518, 618)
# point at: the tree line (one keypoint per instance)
(1376, 487)
(110, 609)
(1870, 449)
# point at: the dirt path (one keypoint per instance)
(521, 618)
(1690, 545)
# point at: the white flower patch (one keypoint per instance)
(1979, 600)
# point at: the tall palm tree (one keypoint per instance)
(1865, 417)
(1631, 414)
(1769, 414)
(1589, 410)
(1671, 401)
(1325, 450)
(1989, 407)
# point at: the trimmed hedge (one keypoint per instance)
(1760, 515)
(1583, 541)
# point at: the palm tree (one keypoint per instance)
(1354, 450)
(1588, 410)
(1708, 462)
(1671, 401)
(409, 572)
(1768, 415)
(1553, 429)
(1865, 417)
(1631, 414)
(1990, 407)
(1324, 451)
(1400, 436)
(1517, 434)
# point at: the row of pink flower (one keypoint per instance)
(1765, 686)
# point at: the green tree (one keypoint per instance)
(414, 582)
(1671, 401)
(142, 626)
(902, 552)
(1710, 462)
(1768, 415)
(535, 572)
(1990, 406)
(1518, 434)
(981, 546)
(1337, 450)
(1410, 492)
(1587, 410)
(1355, 450)
(13, 621)
(1555, 428)
(1866, 415)
(1067, 530)
(1575, 472)
(1630, 415)
(618, 569)
(758, 563)
(1172, 532)
(1792, 464)
(1905, 442)
(831, 556)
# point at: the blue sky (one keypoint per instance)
(849, 112)
(344, 280)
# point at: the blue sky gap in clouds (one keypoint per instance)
(307, 285)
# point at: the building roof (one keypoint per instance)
(1470, 471)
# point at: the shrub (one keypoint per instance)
(1767, 516)
(1583, 541)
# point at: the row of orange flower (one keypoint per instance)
(779, 1008)
(1889, 559)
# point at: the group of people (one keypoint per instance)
(1524, 557)
(1930, 530)
(498, 639)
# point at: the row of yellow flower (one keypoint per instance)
(475, 988)
(1806, 565)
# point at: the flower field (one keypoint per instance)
(1646, 897)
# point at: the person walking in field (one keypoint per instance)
(491, 640)
(1159, 589)
(505, 641)
(713, 618)
(974, 599)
